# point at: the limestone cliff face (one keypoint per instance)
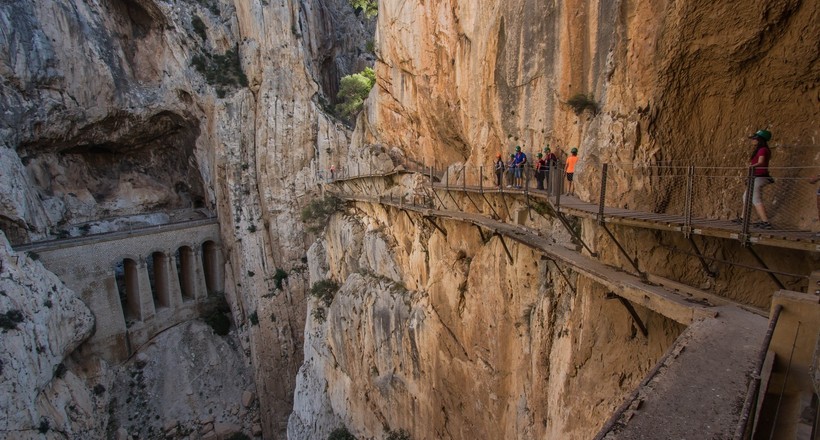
(443, 337)
(42, 322)
(126, 108)
(674, 82)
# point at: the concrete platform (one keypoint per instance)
(697, 390)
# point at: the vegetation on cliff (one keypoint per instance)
(317, 213)
(369, 7)
(353, 90)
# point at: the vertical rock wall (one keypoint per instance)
(443, 337)
(123, 107)
(41, 323)
(672, 81)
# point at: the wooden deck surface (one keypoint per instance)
(721, 228)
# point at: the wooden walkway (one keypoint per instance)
(721, 338)
(789, 239)
(683, 307)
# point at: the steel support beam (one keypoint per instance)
(762, 263)
(435, 225)
(561, 271)
(623, 251)
(504, 244)
(628, 306)
(702, 260)
(572, 232)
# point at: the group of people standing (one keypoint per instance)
(515, 169)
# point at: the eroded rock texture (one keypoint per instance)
(443, 337)
(673, 83)
(41, 323)
(126, 108)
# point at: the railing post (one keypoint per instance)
(481, 179)
(526, 170)
(358, 169)
(690, 184)
(431, 177)
(447, 178)
(747, 207)
(604, 171)
(464, 178)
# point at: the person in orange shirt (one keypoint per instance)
(570, 169)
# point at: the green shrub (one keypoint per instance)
(239, 436)
(10, 319)
(218, 322)
(199, 27)
(398, 435)
(324, 290)
(212, 6)
(581, 102)
(369, 7)
(341, 434)
(221, 71)
(318, 212)
(253, 318)
(353, 90)
(279, 276)
(319, 314)
(543, 208)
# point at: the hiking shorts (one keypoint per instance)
(760, 182)
(569, 176)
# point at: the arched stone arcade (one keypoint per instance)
(139, 283)
(165, 280)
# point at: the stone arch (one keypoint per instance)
(211, 267)
(126, 272)
(157, 263)
(186, 271)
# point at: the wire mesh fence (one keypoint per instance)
(689, 193)
(716, 193)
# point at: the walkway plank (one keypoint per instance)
(693, 391)
(664, 302)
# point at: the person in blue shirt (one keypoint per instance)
(519, 162)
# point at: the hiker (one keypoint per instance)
(332, 172)
(570, 170)
(499, 170)
(759, 162)
(540, 171)
(511, 171)
(550, 160)
(519, 161)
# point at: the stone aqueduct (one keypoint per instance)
(138, 283)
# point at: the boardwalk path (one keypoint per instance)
(693, 392)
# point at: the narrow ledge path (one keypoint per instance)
(698, 387)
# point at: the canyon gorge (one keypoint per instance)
(179, 261)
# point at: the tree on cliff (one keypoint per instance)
(353, 90)
(369, 7)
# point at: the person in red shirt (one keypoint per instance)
(759, 163)
(540, 171)
(499, 170)
(570, 169)
(551, 160)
